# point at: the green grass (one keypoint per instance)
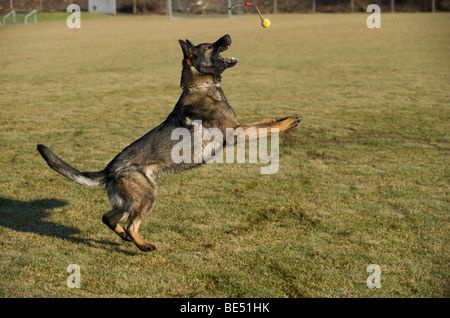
(363, 180)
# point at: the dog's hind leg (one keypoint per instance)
(112, 219)
(134, 192)
(139, 191)
(131, 227)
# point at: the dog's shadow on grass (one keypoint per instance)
(30, 217)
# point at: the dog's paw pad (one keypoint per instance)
(147, 247)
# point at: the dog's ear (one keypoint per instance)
(190, 43)
(186, 48)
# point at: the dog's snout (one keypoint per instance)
(224, 41)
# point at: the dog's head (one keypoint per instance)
(206, 58)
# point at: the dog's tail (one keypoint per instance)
(83, 178)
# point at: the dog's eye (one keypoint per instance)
(208, 47)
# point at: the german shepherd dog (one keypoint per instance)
(130, 177)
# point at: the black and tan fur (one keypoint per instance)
(130, 177)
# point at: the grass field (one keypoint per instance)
(363, 180)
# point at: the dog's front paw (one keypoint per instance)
(293, 121)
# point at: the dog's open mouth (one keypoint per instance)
(222, 45)
(228, 62)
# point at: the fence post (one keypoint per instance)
(392, 5)
(313, 6)
(169, 5)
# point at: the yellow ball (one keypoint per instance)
(265, 23)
